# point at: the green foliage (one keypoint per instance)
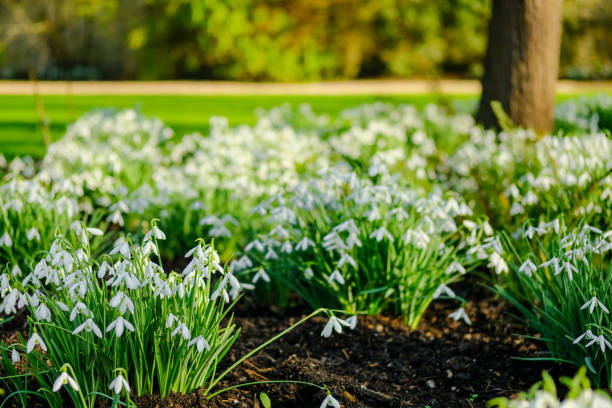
(544, 393)
(561, 283)
(265, 400)
(367, 247)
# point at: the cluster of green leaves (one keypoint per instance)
(164, 331)
(359, 246)
(544, 393)
(561, 283)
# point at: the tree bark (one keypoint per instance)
(522, 62)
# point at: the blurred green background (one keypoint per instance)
(279, 40)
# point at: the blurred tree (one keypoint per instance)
(522, 62)
(283, 40)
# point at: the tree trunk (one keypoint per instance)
(522, 62)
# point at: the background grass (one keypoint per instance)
(20, 132)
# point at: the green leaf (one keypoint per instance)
(265, 400)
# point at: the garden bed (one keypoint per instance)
(381, 363)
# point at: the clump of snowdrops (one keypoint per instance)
(145, 329)
(591, 113)
(30, 216)
(516, 176)
(562, 285)
(343, 241)
(544, 394)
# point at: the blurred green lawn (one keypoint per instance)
(20, 133)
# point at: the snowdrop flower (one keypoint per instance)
(528, 267)
(123, 302)
(346, 258)
(200, 343)
(104, 268)
(516, 208)
(286, 247)
(443, 289)
(279, 231)
(119, 324)
(62, 306)
(592, 303)
(588, 334)
(308, 273)
(155, 232)
(601, 340)
(381, 233)
(123, 248)
(255, 244)
(271, 254)
(336, 276)
(330, 401)
(88, 325)
(118, 384)
(33, 233)
(116, 218)
(42, 312)
(304, 244)
(455, 267)
(374, 214)
(170, 320)
(336, 324)
(416, 237)
(6, 240)
(15, 358)
(183, 330)
(64, 379)
(261, 274)
(569, 268)
(460, 314)
(352, 322)
(35, 340)
(531, 231)
(196, 252)
(95, 231)
(79, 308)
(488, 230)
(497, 262)
(16, 270)
(553, 261)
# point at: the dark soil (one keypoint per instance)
(379, 364)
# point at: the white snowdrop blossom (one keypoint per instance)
(443, 289)
(64, 379)
(460, 314)
(592, 303)
(335, 323)
(381, 233)
(497, 262)
(119, 383)
(336, 276)
(183, 330)
(261, 274)
(32, 234)
(330, 401)
(89, 326)
(15, 358)
(5, 240)
(35, 340)
(119, 325)
(200, 343)
(528, 268)
(601, 340)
